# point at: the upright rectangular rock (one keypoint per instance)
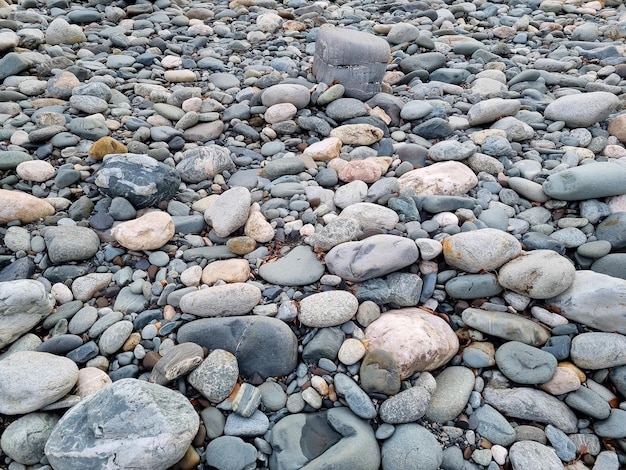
(353, 58)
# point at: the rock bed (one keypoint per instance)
(211, 259)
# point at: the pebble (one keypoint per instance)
(527, 454)
(424, 453)
(485, 249)
(216, 376)
(325, 309)
(451, 394)
(525, 364)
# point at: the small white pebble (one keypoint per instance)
(351, 351)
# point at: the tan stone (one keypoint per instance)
(416, 339)
(180, 76)
(280, 112)
(35, 170)
(617, 127)
(569, 365)
(148, 232)
(105, 146)
(90, 380)
(324, 150)
(444, 178)
(229, 270)
(257, 227)
(15, 205)
(367, 171)
(241, 245)
(563, 381)
(357, 134)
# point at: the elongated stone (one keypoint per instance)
(506, 325)
(591, 181)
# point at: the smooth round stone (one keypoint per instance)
(454, 386)
(614, 426)
(530, 454)
(487, 249)
(61, 344)
(299, 267)
(255, 425)
(589, 403)
(479, 354)
(273, 397)
(411, 447)
(352, 350)
(343, 109)
(611, 265)
(416, 339)
(506, 326)
(24, 439)
(611, 230)
(230, 452)
(490, 110)
(405, 407)
(582, 110)
(159, 258)
(31, 380)
(525, 364)
(356, 399)
(473, 286)
(70, 243)
(218, 300)
(415, 109)
(298, 95)
(596, 249)
(114, 337)
(598, 350)
(325, 309)
(591, 181)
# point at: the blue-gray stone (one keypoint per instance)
(61, 344)
(589, 403)
(230, 453)
(614, 426)
(299, 267)
(88, 128)
(356, 399)
(491, 425)
(22, 268)
(10, 159)
(558, 346)
(473, 286)
(590, 181)
(325, 344)
(70, 243)
(525, 364)
(411, 447)
(83, 353)
(563, 445)
(618, 378)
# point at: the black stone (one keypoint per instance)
(61, 344)
(22, 268)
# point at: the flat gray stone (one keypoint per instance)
(203, 163)
(219, 301)
(230, 453)
(598, 350)
(411, 447)
(493, 426)
(454, 385)
(588, 402)
(357, 400)
(177, 361)
(299, 267)
(473, 286)
(582, 109)
(230, 211)
(96, 432)
(590, 181)
(405, 407)
(505, 325)
(24, 439)
(530, 454)
(330, 308)
(525, 364)
(67, 244)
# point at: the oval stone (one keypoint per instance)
(505, 325)
(591, 181)
(598, 350)
(218, 301)
(330, 308)
(480, 250)
(525, 364)
(415, 338)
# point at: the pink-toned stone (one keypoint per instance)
(444, 178)
(229, 270)
(280, 112)
(90, 380)
(415, 338)
(363, 170)
(35, 170)
(15, 205)
(324, 150)
(171, 62)
(563, 381)
(617, 127)
(614, 151)
(257, 227)
(148, 232)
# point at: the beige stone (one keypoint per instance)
(416, 339)
(480, 250)
(443, 178)
(180, 76)
(357, 134)
(148, 232)
(362, 170)
(324, 150)
(229, 270)
(90, 380)
(280, 112)
(35, 170)
(563, 381)
(257, 227)
(617, 127)
(15, 205)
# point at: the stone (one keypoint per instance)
(357, 60)
(594, 299)
(454, 385)
(24, 439)
(331, 308)
(480, 250)
(23, 304)
(90, 380)
(216, 376)
(298, 95)
(299, 267)
(257, 227)
(67, 244)
(203, 163)
(373, 257)
(230, 452)
(227, 270)
(598, 350)
(611, 229)
(59, 31)
(411, 447)
(588, 402)
(532, 405)
(493, 426)
(370, 216)
(105, 146)
(487, 111)
(379, 373)
(230, 211)
(594, 180)
(38, 171)
(442, 178)
(31, 380)
(405, 407)
(473, 286)
(176, 362)
(148, 232)
(357, 400)
(505, 325)
(530, 454)
(357, 134)
(614, 426)
(324, 150)
(15, 205)
(96, 432)
(140, 179)
(217, 301)
(538, 274)
(582, 109)
(262, 345)
(416, 339)
(337, 231)
(330, 439)
(525, 364)
(114, 337)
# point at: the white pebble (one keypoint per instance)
(61, 293)
(351, 351)
(548, 318)
(499, 454)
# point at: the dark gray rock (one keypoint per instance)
(262, 345)
(142, 180)
(379, 373)
(325, 343)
